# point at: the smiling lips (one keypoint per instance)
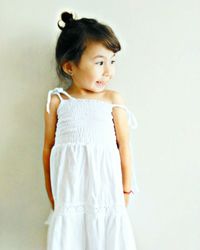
(101, 84)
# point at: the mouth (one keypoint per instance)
(100, 84)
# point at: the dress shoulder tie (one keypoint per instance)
(55, 91)
(131, 117)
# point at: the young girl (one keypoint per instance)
(87, 150)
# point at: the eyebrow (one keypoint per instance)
(101, 56)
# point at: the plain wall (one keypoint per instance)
(157, 73)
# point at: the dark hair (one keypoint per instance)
(74, 37)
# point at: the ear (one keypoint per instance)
(67, 67)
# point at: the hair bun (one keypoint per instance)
(66, 17)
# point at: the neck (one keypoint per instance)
(74, 90)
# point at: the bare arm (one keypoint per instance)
(123, 140)
(50, 120)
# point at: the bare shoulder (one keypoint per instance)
(55, 100)
(54, 103)
(115, 97)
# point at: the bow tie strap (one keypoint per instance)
(132, 121)
(50, 92)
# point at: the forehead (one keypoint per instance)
(94, 49)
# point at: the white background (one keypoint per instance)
(158, 75)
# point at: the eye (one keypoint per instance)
(113, 61)
(101, 63)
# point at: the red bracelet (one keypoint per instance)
(128, 192)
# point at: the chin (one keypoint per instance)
(99, 90)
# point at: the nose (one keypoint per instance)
(107, 70)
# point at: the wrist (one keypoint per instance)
(127, 192)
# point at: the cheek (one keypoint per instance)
(94, 71)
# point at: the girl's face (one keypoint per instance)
(95, 69)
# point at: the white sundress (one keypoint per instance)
(86, 179)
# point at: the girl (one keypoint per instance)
(86, 154)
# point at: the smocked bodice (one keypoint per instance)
(86, 120)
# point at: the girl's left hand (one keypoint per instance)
(126, 198)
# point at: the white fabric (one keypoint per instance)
(89, 209)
